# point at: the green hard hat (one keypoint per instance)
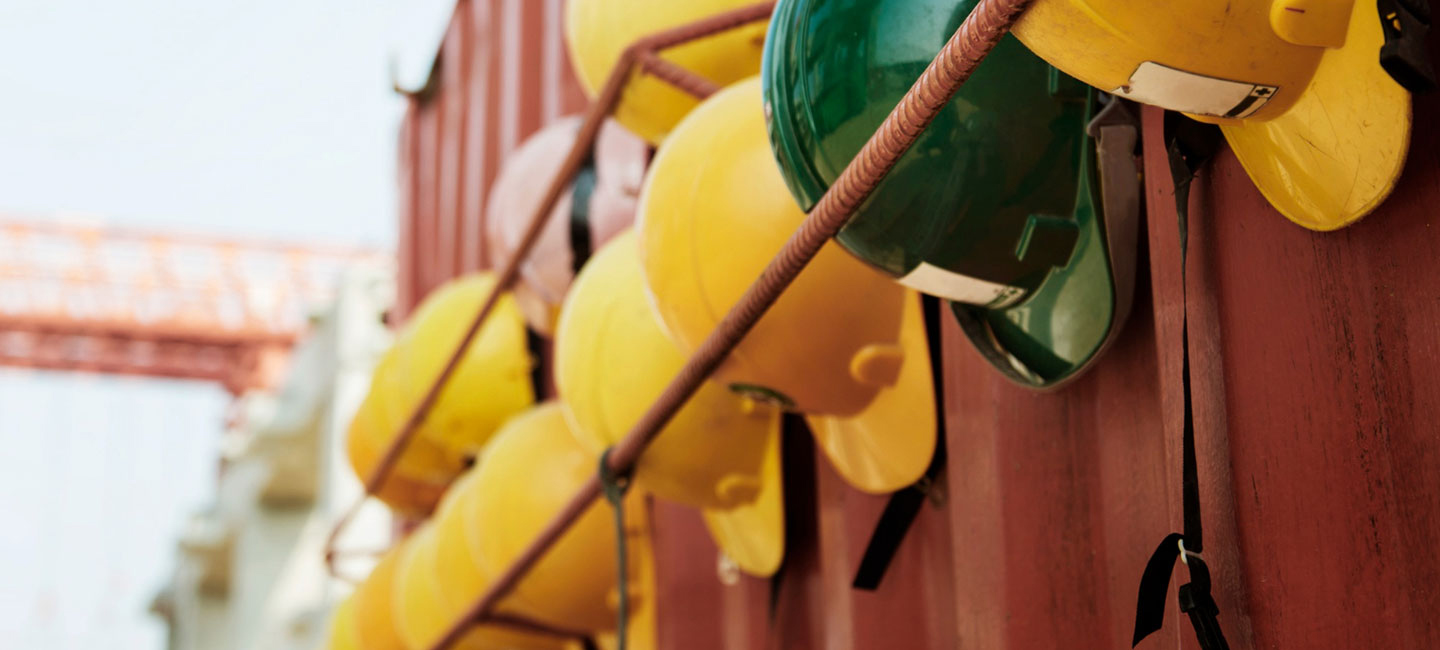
(1002, 206)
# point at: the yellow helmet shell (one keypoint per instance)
(342, 627)
(1338, 152)
(612, 362)
(1318, 124)
(496, 365)
(713, 213)
(375, 605)
(424, 612)
(415, 485)
(419, 618)
(1215, 60)
(598, 31)
(752, 534)
(462, 581)
(527, 474)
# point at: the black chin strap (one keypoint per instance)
(1189, 145)
(905, 505)
(538, 347)
(580, 250)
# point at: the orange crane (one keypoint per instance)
(95, 298)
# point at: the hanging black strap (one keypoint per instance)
(1189, 145)
(1406, 24)
(537, 345)
(614, 486)
(1184, 163)
(905, 505)
(583, 188)
(797, 457)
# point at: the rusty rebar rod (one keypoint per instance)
(579, 152)
(712, 25)
(332, 553)
(678, 76)
(522, 624)
(584, 144)
(957, 60)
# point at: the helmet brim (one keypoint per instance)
(1338, 152)
(1058, 332)
(888, 445)
(343, 635)
(753, 535)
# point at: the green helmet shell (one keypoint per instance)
(996, 206)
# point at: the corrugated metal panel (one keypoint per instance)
(1324, 362)
(502, 74)
(1316, 360)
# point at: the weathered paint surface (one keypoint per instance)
(1317, 392)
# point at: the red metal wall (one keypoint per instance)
(1317, 369)
(502, 73)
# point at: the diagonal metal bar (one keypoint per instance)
(595, 116)
(957, 60)
(673, 73)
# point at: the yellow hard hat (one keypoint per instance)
(529, 471)
(375, 605)
(415, 485)
(1336, 126)
(844, 344)
(599, 202)
(720, 451)
(424, 614)
(342, 627)
(1338, 152)
(492, 382)
(598, 31)
(461, 581)
(419, 617)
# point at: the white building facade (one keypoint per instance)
(250, 571)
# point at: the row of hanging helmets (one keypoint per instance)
(1019, 205)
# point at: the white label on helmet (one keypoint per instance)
(960, 288)
(1178, 90)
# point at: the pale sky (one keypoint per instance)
(264, 117)
(96, 475)
(268, 117)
